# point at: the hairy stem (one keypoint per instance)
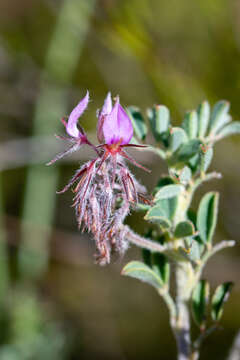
(184, 274)
(142, 242)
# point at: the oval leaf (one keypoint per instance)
(169, 191)
(219, 116)
(161, 266)
(200, 298)
(139, 126)
(184, 229)
(206, 159)
(231, 129)
(140, 271)
(185, 175)
(190, 124)
(195, 250)
(207, 216)
(188, 150)
(203, 112)
(168, 206)
(177, 138)
(219, 298)
(159, 118)
(155, 214)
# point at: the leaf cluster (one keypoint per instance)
(188, 235)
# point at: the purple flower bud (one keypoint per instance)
(114, 125)
(71, 126)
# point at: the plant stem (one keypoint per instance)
(184, 274)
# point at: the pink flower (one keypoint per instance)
(106, 189)
(114, 125)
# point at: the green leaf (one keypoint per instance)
(140, 271)
(206, 159)
(159, 118)
(195, 250)
(207, 216)
(203, 112)
(161, 266)
(168, 206)
(219, 298)
(219, 116)
(190, 124)
(139, 126)
(188, 150)
(194, 162)
(177, 138)
(200, 298)
(184, 229)
(192, 216)
(231, 129)
(169, 191)
(185, 175)
(155, 214)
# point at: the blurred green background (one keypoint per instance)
(54, 302)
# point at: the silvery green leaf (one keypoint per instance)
(190, 124)
(219, 298)
(207, 216)
(200, 298)
(139, 126)
(184, 229)
(177, 137)
(231, 129)
(188, 150)
(195, 162)
(160, 265)
(203, 112)
(195, 250)
(140, 271)
(206, 159)
(156, 215)
(219, 116)
(159, 118)
(169, 191)
(185, 175)
(168, 206)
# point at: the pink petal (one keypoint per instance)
(117, 127)
(106, 109)
(107, 106)
(125, 124)
(71, 126)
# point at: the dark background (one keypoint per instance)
(55, 303)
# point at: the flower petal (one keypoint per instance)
(117, 127)
(106, 109)
(107, 106)
(125, 124)
(71, 126)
